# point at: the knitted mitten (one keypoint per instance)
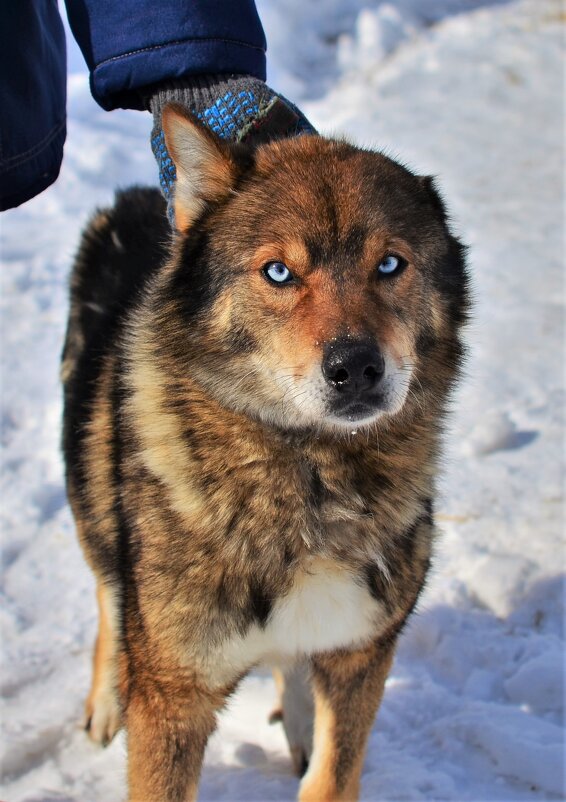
(236, 107)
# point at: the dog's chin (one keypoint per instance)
(355, 417)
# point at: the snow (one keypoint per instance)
(469, 91)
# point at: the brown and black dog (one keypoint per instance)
(253, 417)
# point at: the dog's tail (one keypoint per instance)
(120, 248)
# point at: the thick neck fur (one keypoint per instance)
(228, 475)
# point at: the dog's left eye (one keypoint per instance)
(391, 264)
(278, 273)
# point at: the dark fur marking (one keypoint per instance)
(316, 250)
(288, 556)
(383, 481)
(399, 313)
(346, 757)
(425, 342)
(428, 516)
(209, 482)
(336, 249)
(235, 518)
(407, 540)
(378, 586)
(190, 441)
(241, 341)
(195, 284)
(260, 604)
(223, 596)
(317, 489)
(123, 556)
(327, 681)
(354, 241)
(392, 634)
(177, 756)
(256, 607)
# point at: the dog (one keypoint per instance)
(254, 408)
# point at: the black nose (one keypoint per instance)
(352, 367)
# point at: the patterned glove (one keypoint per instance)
(236, 107)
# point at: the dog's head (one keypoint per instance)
(314, 284)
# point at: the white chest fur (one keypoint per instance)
(326, 608)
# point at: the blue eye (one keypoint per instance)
(278, 273)
(391, 264)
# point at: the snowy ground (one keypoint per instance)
(470, 91)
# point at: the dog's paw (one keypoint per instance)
(102, 717)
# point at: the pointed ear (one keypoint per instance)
(205, 166)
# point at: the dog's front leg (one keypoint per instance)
(348, 687)
(167, 734)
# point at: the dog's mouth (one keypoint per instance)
(358, 411)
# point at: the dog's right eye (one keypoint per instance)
(278, 273)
